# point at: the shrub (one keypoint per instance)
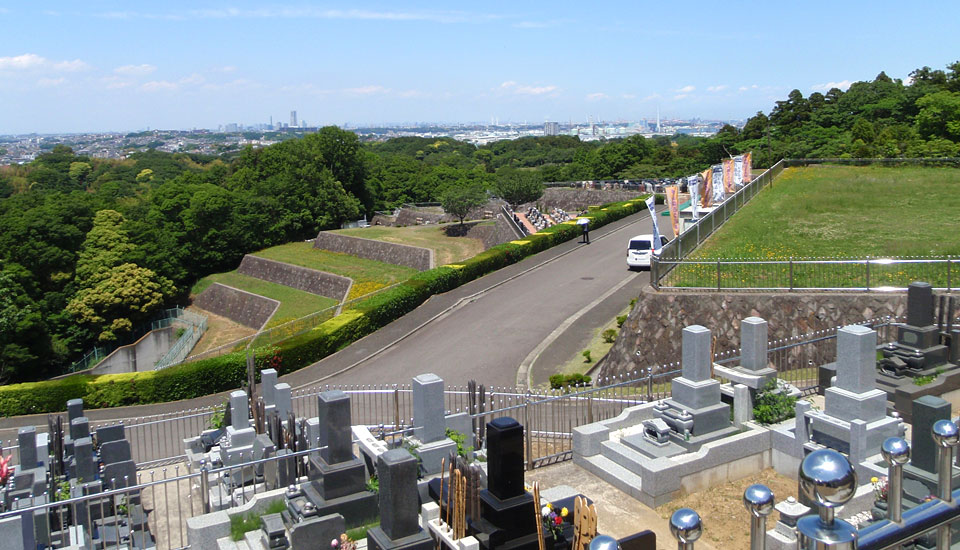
(586, 356)
(560, 381)
(610, 334)
(228, 371)
(773, 404)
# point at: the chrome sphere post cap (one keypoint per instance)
(758, 500)
(945, 433)
(686, 525)
(827, 478)
(604, 542)
(895, 450)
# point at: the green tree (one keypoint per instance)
(460, 200)
(518, 187)
(939, 115)
(23, 336)
(79, 172)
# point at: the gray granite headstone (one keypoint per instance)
(397, 470)
(428, 408)
(79, 427)
(696, 353)
(114, 432)
(753, 343)
(120, 474)
(927, 410)
(801, 430)
(919, 304)
(11, 532)
(83, 454)
(27, 442)
(268, 378)
(856, 358)
(239, 410)
(335, 430)
(283, 399)
(74, 409)
(115, 451)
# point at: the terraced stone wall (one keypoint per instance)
(397, 254)
(251, 310)
(301, 278)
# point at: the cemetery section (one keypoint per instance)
(294, 303)
(301, 278)
(845, 211)
(444, 240)
(416, 257)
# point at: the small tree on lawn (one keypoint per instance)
(460, 200)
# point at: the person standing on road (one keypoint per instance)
(584, 224)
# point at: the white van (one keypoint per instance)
(640, 249)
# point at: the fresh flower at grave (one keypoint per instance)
(558, 520)
(880, 487)
(545, 511)
(564, 512)
(550, 505)
(334, 543)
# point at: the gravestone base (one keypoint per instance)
(835, 433)
(378, 540)
(431, 454)
(508, 523)
(919, 484)
(706, 419)
(356, 508)
(677, 444)
(901, 392)
(337, 480)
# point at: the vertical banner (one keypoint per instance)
(706, 189)
(728, 176)
(693, 186)
(738, 171)
(673, 196)
(716, 177)
(653, 218)
(748, 167)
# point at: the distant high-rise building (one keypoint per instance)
(551, 128)
(293, 119)
(658, 120)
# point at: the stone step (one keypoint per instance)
(614, 474)
(621, 454)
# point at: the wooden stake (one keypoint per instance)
(440, 517)
(539, 517)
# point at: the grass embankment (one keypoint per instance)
(368, 275)
(837, 212)
(293, 303)
(446, 249)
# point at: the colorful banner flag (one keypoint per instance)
(728, 176)
(738, 171)
(653, 218)
(716, 178)
(673, 202)
(706, 194)
(748, 167)
(693, 186)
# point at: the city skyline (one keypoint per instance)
(110, 67)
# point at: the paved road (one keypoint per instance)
(482, 330)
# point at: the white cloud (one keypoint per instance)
(597, 96)
(843, 85)
(686, 89)
(135, 70)
(32, 61)
(719, 88)
(308, 12)
(50, 82)
(192, 80)
(159, 86)
(508, 84)
(366, 90)
(750, 87)
(629, 96)
(651, 97)
(224, 69)
(678, 97)
(518, 89)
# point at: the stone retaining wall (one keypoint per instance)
(251, 310)
(397, 254)
(301, 278)
(576, 200)
(654, 325)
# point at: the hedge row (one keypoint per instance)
(226, 372)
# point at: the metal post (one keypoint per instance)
(718, 275)
(527, 431)
(948, 273)
(791, 273)
(896, 453)
(946, 436)
(205, 486)
(868, 272)
(828, 479)
(758, 500)
(686, 526)
(655, 271)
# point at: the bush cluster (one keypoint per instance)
(227, 372)
(773, 404)
(560, 381)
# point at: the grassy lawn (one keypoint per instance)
(367, 275)
(293, 303)
(446, 249)
(837, 211)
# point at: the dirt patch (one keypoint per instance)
(725, 520)
(220, 331)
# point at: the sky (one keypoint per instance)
(127, 66)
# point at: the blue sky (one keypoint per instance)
(100, 65)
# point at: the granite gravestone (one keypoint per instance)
(27, 442)
(430, 429)
(507, 512)
(399, 504)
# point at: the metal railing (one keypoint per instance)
(866, 274)
(196, 327)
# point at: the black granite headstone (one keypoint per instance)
(115, 451)
(335, 428)
(919, 304)
(927, 410)
(505, 457)
(397, 471)
(27, 444)
(106, 434)
(74, 409)
(79, 427)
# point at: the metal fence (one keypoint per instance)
(196, 327)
